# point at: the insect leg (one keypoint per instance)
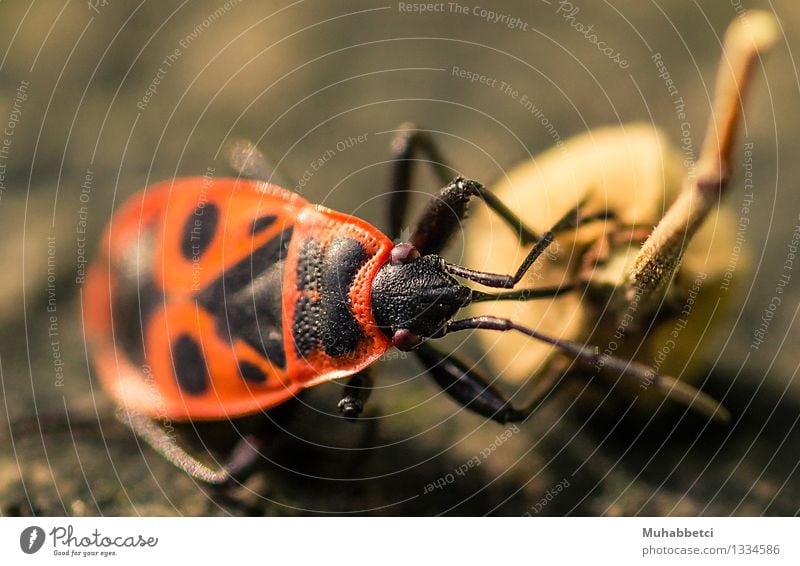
(407, 143)
(447, 209)
(647, 376)
(520, 294)
(241, 462)
(442, 217)
(600, 251)
(468, 386)
(355, 394)
(569, 221)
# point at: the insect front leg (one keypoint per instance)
(240, 464)
(569, 221)
(407, 144)
(444, 213)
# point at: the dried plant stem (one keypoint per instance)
(745, 41)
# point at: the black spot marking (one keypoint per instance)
(341, 332)
(242, 274)
(262, 223)
(190, 366)
(305, 327)
(199, 231)
(252, 373)
(255, 315)
(133, 305)
(247, 300)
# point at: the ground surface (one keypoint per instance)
(113, 98)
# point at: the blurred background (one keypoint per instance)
(98, 100)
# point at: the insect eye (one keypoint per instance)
(405, 340)
(404, 253)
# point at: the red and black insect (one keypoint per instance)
(213, 299)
